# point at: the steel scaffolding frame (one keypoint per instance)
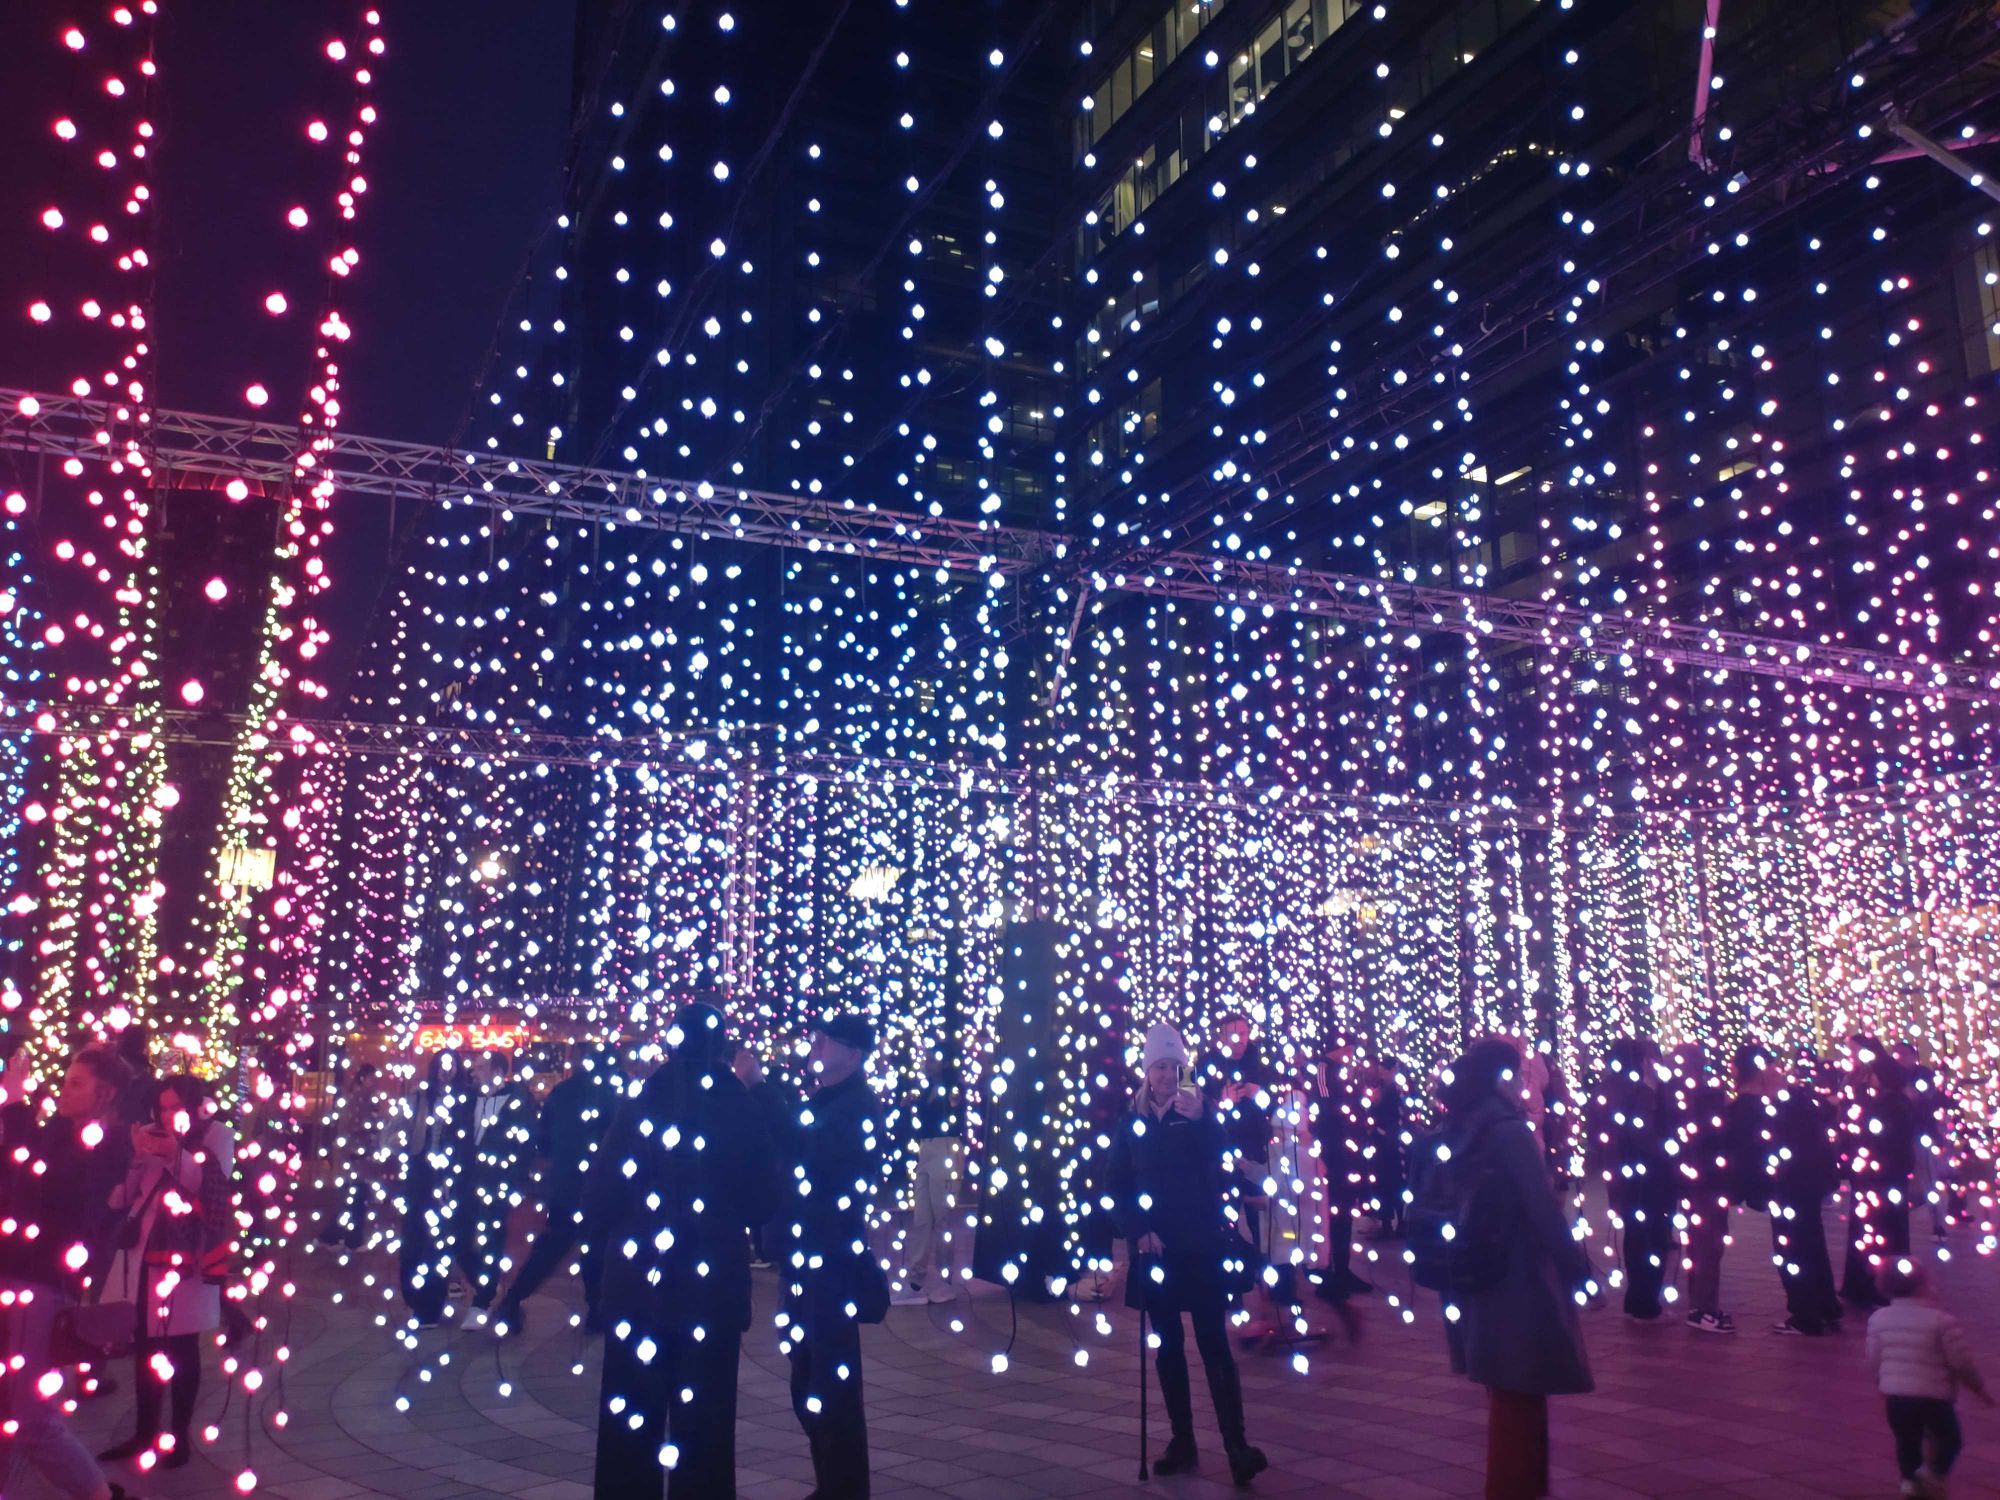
(184, 446)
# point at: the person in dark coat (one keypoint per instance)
(1927, 1121)
(832, 1281)
(494, 1133)
(57, 1177)
(1387, 1086)
(1878, 1129)
(1167, 1181)
(1781, 1142)
(1707, 1184)
(574, 1119)
(1340, 1131)
(686, 1169)
(778, 1106)
(423, 1195)
(1632, 1125)
(1520, 1337)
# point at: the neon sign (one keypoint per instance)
(436, 1037)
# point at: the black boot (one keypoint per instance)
(1246, 1462)
(1225, 1389)
(1179, 1457)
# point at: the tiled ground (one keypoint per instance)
(1675, 1414)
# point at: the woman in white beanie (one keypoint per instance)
(1167, 1182)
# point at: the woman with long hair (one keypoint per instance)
(1516, 1332)
(1167, 1181)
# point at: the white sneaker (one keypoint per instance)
(941, 1291)
(909, 1296)
(1913, 1488)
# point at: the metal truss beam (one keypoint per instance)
(186, 446)
(744, 750)
(1546, 625)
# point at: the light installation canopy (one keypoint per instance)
(1542, 354)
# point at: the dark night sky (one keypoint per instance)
(463, 170)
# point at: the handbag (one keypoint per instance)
(92, 1332)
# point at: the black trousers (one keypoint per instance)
(650, 1413)
(829, 1409)
(183, 1352)
(1647, 1242)
(1884, 1232)
(1798, 1240)
(422, 1280)
(1211, 1337)
(1915, 1419)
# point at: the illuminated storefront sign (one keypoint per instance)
(504, 1037)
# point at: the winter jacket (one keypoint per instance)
(1633, 1129)
(1521, 1334)
(934, 1109)
(829, 1265)
(1916, 1348)
(1878, 1141)
(1702, 1140)
(1782, 1148)
(493, 1164)
(574, 1119)
(57, 1181)
(685, 1171)
(1340, 1127)
(1167, 1180)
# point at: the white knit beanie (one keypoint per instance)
(1163, 1044)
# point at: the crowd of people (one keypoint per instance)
(1224, 1195)
(116, 1235)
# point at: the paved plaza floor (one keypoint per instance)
(1676, 1413)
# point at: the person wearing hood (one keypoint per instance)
(1167, 1182)
(1518, 1335)
(685, 1170)
(833, 1282)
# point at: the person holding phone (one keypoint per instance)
(1167, 1183)
(174, 1231)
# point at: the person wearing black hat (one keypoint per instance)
(832, 1281)
(687, 1168)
